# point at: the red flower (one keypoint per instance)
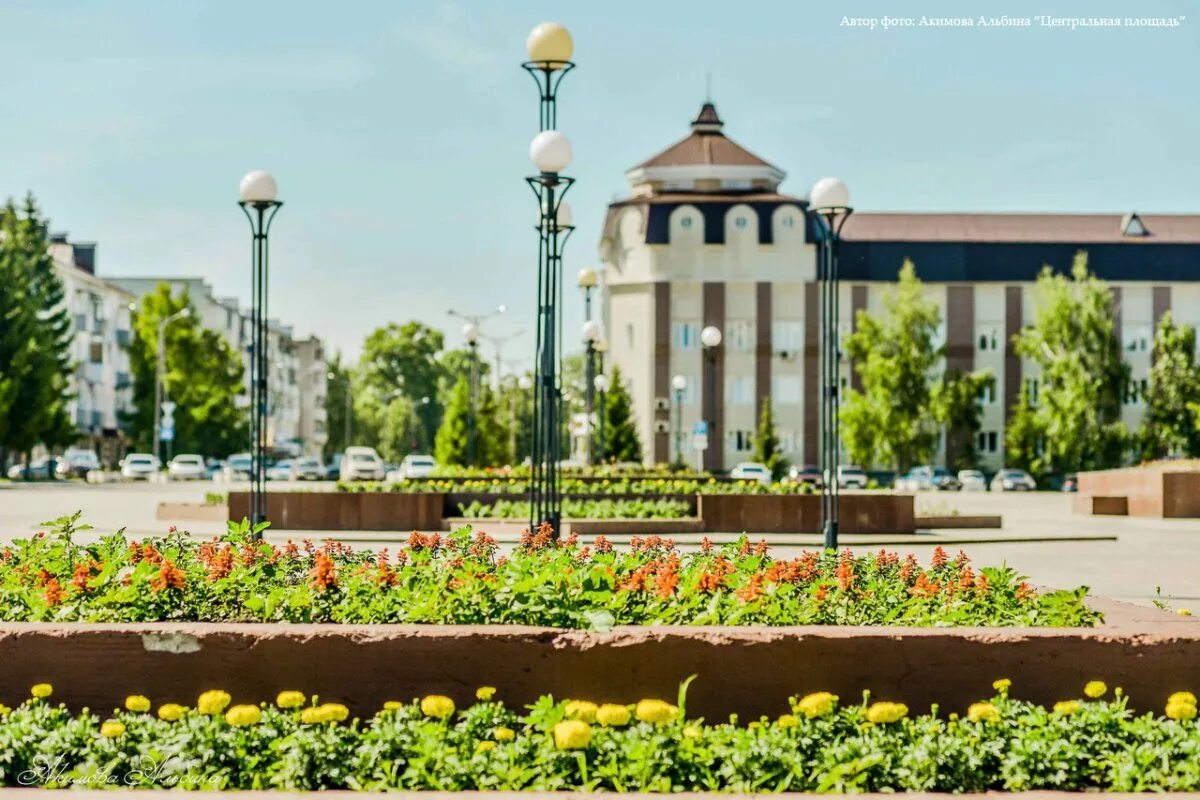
(169, 577)
(324, 573)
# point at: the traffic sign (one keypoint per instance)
(168, 408)
(167, 433)
(699, 441)
(700, 428)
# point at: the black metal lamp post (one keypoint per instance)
(679, 384)
(710, 338)
(471, 334)
(550, 48)
(600, 383)
(258, 200)
(591, 335)
(830, 201)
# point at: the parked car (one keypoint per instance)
(972, 480)
(214, 469)
(417, 465)
(281, 470)
(40, 469)
(186, 467)
(361, 464)
(139, 466)
(943, 480)
(1071, 483)
(77, 462)
(917, 479)
(237, 467)
(752, 471)
(1013, 480)
(308, 469)
(333, 470)
(807, 474)
(852, 477)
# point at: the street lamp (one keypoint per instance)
(679, 384)
(587, 281)
(830, 201)
(258, 199)
(160, 371)
(710, 337)
(471, 334)
(550, 48)
(591, 335)
(600, 384)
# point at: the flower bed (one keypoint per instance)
(818, 744)
(647, 508)
(581, 486)
(462, 579)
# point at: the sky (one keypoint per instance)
(398, 131)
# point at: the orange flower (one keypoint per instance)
(845, 570)
(221, 564)
(169, 577)
(54, 593)
(752, 590)
(939, 557)
(705, 544)
(603, 545)
(83, 574)
(324, 573)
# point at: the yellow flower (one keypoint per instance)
(243, 715)
(1002, 686)
(817, 704)
(485, 693)
(612, 715)
(787, 721)
(171, 712)
(437, 705)
(1095, 689)
(1181, 711)
(41, 690)
(983, 712)
(581, 709)
(213, 702)
(655, 711)
(290, 699)
(393, 705)
(112, 729)
(138, 703)
(1183, 612)
(884, 712)
(326, 712)
(691, 732)
(1066, 707)
(310, 715)
(484, 747)
(503, 734)
(572, 734)
(1182, 697)
(4, 709)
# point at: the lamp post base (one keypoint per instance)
(831, 535)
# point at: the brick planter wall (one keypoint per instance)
(872, 512)
(349, 511)
(1160, 490)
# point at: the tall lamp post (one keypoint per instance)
(710, 337)
(259, 201)
(679, 384)
(550, 48)
(591, 335)
(471, 334)
(600, 384)
(587, 282)
(525, 385)
(160, 372)
(830, 201)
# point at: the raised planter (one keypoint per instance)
(192, 512)
(348, 511)
(1155, 490)
(587, 527)
(750, 671)
(959, 521)
(873, 512)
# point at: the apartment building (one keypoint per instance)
(706, 237)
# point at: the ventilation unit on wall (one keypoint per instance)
(662, 404)
(662, 426)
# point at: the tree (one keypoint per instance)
(766, 443)
(1078, 408)
(35, 337)
(339, 414)
(1022, 435)
(621, 442)
(451, 446)
(203, 378)
(956, 406)
(405, 359)
(892, 420)
(1171, 426)
(399, 429)
(515, 406)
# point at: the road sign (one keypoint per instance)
(700, 428)
(699, 441)
(168, 408)
(167, 433)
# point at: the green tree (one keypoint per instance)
(621, 442)
(338, 412)
(515, 406)
(35, 336)
(1171, 426)
(956, 406)
(203, 378)
(766, 442)
(492, 435)
(400, 429)
(451, 445)
(1077, 416)
(1023, 435)
(405, 359)
(892, 420)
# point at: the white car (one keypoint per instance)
(361, 464)
(416, 466)
(308, 469)
(186, 467)
(282, 470)
(972, 480)
(139, 466)
(851, 477)
(77, 462)
(237, 467)
(752, 471)
(1013, 480)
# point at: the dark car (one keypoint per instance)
(809, 474)
(41, 469)
(1071, 483)
(945, 481)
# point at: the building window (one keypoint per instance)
(987, 394)
(788, 221)
(1135, 392)
(743, 441)
(988, 441)
(987, 339)
(96, 352)
(741, 335)
(787, 440)
(740, 390)
(740, 222)
(629, 335)
(684, 336)
(787, 337)
(685, 222)
(1136, 338)
(786, 390)
(1032, 386)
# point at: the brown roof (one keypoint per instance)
(1068, 228)
(732, 198)
(705, 145)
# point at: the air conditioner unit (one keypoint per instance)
(662, 404)
(662, 426)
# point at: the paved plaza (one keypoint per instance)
(1119, 557)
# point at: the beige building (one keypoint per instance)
(707, 237)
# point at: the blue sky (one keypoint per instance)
(398, 131)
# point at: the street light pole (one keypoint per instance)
(600, 382)
(160, 372)
(258, 193)
(830, 201)
(550, 48)
(591, 334)
(710, 338)
(471, 334)
(679, 384)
